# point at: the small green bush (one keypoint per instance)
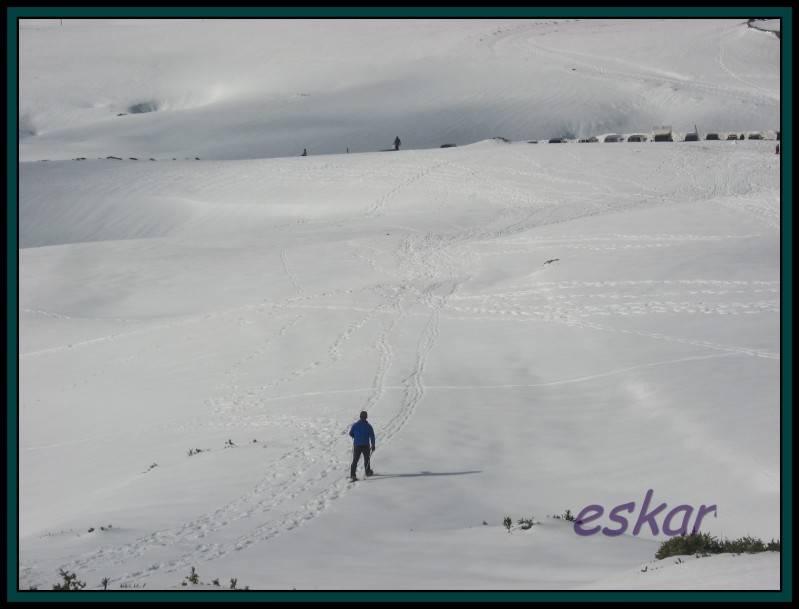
(192, 578)
(705, 544)
(567, 515)
(71, 581)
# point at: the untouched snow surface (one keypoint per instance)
(532, 328)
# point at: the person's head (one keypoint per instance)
(363, 415)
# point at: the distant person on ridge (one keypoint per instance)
(397, 143)
(304, 152)
(361, 433)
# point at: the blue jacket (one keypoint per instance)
(362, 432)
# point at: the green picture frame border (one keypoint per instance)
(14, 13)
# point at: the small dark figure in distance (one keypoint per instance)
(362, 434)
(397, 143)
(777, 151)
(304, 152)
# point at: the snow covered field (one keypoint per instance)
(532, 328)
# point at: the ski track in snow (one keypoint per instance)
(292, 277)
(424, 278)
(723, 64)
(379, 206)
(645, 75)
(311, 472)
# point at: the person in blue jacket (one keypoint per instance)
(362, 434)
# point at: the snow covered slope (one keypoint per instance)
(262, 88)
(532, 328)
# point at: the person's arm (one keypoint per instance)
(352, 435)
(372, 436)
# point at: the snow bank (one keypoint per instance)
(717, 572)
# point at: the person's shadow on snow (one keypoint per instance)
(426, 473)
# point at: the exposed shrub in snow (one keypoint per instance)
(706, 544)
(229, 443)
(233, 582)
(104, 583)
(567, 515)
(523, 523)
(194, 578)
(71, 581)
(774, 546)
(750, 545)
(191, 578)
(526, 523)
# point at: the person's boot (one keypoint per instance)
(369, 472)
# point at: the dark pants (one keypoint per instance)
(357, 451)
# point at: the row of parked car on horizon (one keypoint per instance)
(660, 137)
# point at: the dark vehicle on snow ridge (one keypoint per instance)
(732, 136)
(637, 138)
(614, 137)
(662, 134)
(557, 140)
(712, 136)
